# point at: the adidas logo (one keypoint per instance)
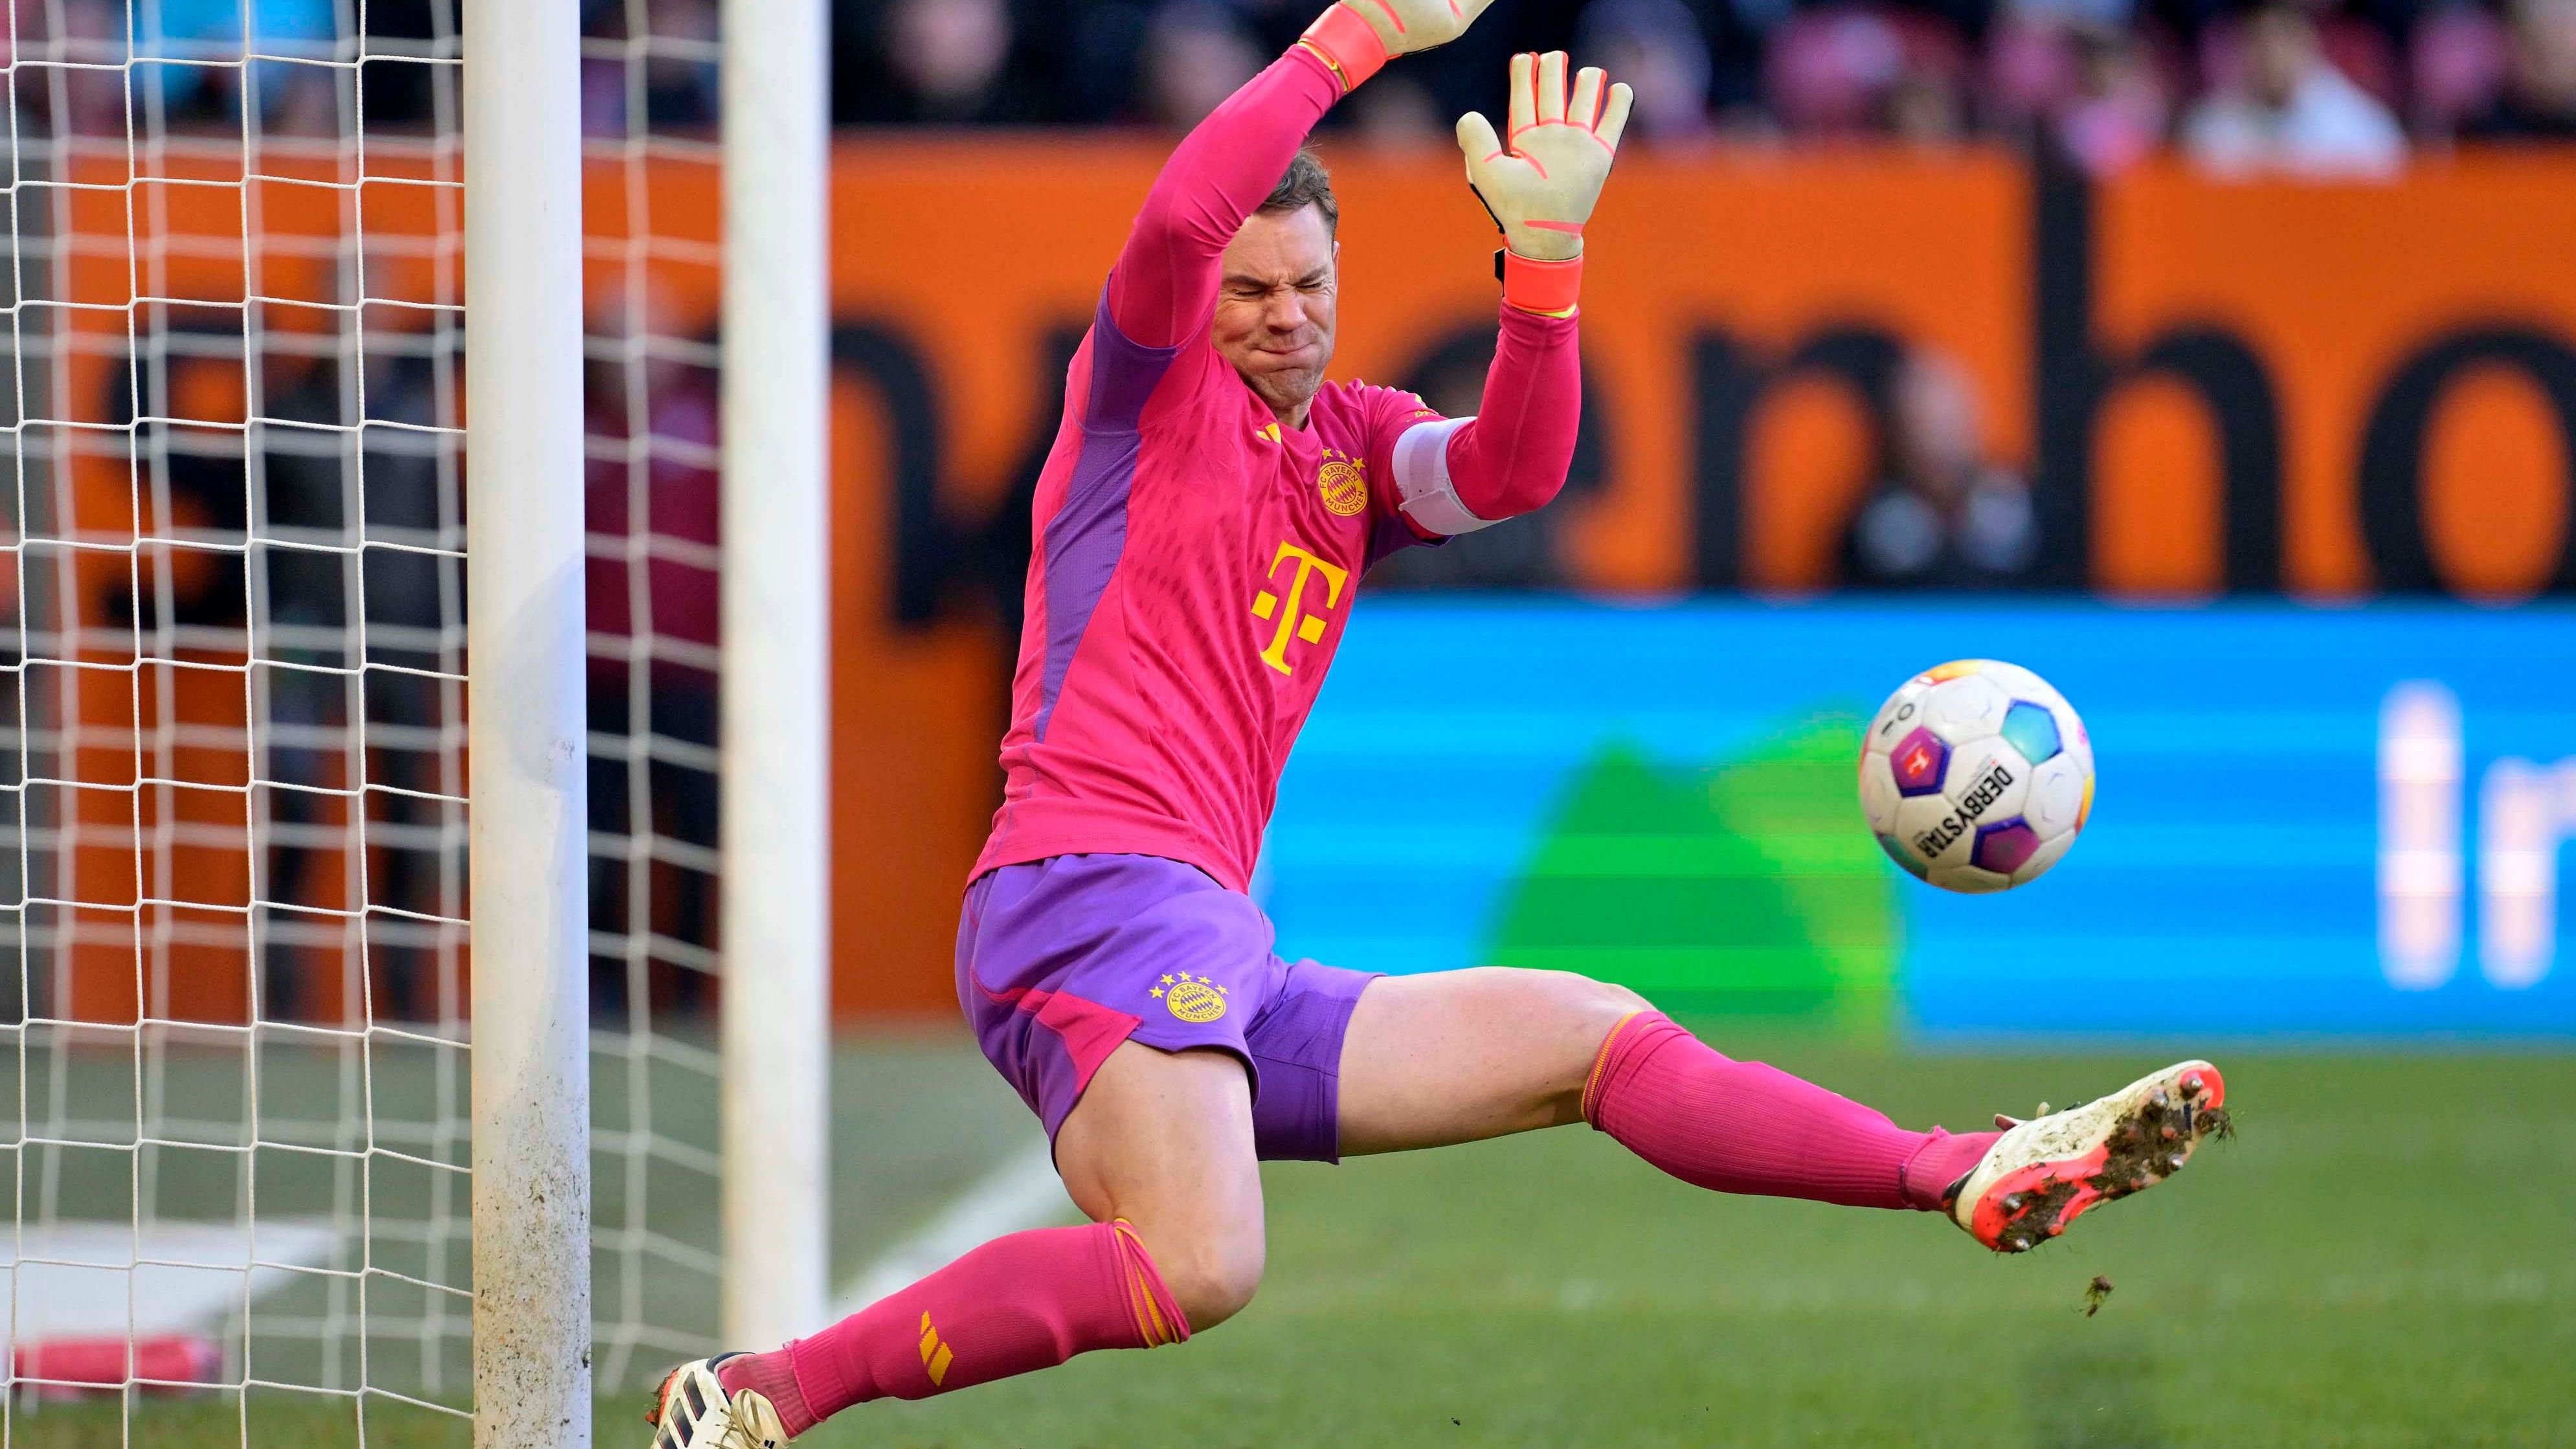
(935, 1355)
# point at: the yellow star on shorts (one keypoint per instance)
(1167, 978)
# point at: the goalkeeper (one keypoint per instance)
(1202, 523)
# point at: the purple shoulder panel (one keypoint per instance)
(1124, 373)
(1391, 534)
(1088, 532)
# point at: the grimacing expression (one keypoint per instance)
(1274, 309)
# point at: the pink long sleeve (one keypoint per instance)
(1164, 288)
(1512, 459)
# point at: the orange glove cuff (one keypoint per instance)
(1535, 286)
(1344, 41)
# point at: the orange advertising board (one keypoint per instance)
(2417, 340)
(2326, 389)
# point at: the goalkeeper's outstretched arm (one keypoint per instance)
(1163, 291)
(1541, 185)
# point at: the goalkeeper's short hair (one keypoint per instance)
(1306, 184)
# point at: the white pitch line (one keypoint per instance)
(1023, 1192)
(94, 1279)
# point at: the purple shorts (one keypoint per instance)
(1060, 960)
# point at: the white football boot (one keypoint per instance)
(690, 1411)
(2047, 1172)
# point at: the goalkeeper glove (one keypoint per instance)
(1356, 37)
(1541, 188)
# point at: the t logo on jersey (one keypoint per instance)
(1292, 614)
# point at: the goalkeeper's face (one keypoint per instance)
(1274, 312)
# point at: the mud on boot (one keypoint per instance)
(2045, 1173)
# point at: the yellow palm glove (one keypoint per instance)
(1542, 185)
(1355, 37)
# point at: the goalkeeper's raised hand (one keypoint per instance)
(1542, 182)
(1355, 37)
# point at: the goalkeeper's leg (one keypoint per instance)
(1158, 1153)
(1457, 1056)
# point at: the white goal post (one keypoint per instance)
(776, 847)
(529, 792)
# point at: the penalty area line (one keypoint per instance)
(1022, 1192)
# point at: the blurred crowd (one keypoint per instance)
(2335, 86)
(2315, 86)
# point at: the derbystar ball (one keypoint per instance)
(1976, 776)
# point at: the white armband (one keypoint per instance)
(1422, 480)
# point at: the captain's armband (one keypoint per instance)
(1422, 481)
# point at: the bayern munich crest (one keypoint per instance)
(1344, 486)
(1197, 1000)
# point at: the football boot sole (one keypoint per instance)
(2045, 1173)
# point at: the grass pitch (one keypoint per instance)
(2385, 1256)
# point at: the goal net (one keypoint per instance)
(649, 113)
(233, 798)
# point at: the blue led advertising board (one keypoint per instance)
(2309, 820)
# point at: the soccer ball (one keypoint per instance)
(1976, 776)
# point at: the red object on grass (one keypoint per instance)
(69, 1365)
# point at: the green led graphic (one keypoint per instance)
(1744, 888)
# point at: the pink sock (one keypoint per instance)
(1016, 1304)
(1743, 1127)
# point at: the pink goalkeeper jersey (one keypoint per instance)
(1196, 564)
(1196, 561)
